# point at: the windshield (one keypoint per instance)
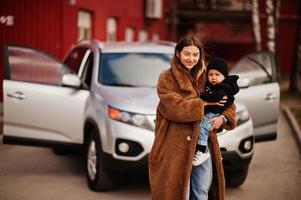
(132, 69)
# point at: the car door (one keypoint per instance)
(38, 110)
(259, 92)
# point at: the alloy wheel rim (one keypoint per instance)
(92, 160)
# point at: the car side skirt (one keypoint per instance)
(40, 143)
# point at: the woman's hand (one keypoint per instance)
(216, 122)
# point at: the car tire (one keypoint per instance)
(99, 179)
(235, 178)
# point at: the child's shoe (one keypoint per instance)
(200, 157)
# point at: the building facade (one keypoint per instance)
(226, 25)
(54, 25)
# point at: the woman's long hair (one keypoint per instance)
(200, 66)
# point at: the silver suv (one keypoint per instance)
(102, 99)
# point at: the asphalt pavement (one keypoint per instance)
(32, 173)
(291, 101)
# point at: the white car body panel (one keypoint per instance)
(262, 102)
(230, 140)
(47, 112)
(125, 131)
(259, 92)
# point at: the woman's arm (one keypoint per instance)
(173, 105)
(230, 115)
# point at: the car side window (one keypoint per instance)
(255, 69)
(33, 65)
(76, 58)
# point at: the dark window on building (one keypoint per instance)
(84, 25)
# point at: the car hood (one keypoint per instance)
(141, 100)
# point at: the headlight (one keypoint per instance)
(242, 117)
(135, 119)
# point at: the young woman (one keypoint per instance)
(171, 174)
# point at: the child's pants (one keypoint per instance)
(205, 126)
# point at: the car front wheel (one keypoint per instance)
(98, 177)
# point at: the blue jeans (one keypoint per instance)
(200, 181)
(205, 126)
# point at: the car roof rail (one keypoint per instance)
(102, 43)
(93, 41)
(98, 42)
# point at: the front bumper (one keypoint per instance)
(232, 161)
(233, 143)
(115, 165)
(230, 144)
(233, 140)
(139, 141)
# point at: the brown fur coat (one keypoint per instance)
(177, 124)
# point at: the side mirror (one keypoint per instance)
(71, 80)
(243, 82)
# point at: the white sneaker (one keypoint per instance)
(200, 157)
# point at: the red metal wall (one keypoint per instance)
(132, 14)
(160, 26)
(51, 25)
(35, 23)
(129, 15)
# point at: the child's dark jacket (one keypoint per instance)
(214, 93)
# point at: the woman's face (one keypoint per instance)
(189, 56)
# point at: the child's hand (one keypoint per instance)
(223, 101)
(219, 103)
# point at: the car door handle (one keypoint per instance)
(270, 97)
(17, 95)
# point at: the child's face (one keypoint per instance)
(215, 77)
